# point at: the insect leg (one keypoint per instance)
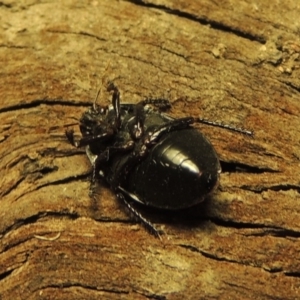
(97, 161)
(86, 140)
(148, 225)
(137, 130)
(221, 125)
(160, 103)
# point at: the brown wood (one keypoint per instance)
(231, 61)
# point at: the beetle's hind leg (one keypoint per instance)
(148, 225)
(160, 103)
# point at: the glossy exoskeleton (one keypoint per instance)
(147, 156)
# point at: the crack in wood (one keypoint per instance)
(209, 255)
(13, 186)
(66, 285)
(235, 167)
(202, 20)
(84, 33)
(38, 102)
(268, 230)
(277, 188)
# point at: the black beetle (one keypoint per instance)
(147, 156)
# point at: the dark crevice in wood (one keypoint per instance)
(14, 46)
(38, 102)
(19, 159)
(59, 182)
(155, 297)
(185, 57)
(291, 85)
(53, 152)
(292, 274)
(39, 170)
(234, 285)
(276, 188)
(6, 5)
(202, 20)
(13, 186)
(4, 138)
(84, 286)
(97, 289)
(78, 33)
(284, 233)
(44, 170)
(215, 257)
(274, 231)
(68, 179)
(5, 274)
(40, 215)
(208, 255)
(234, 167)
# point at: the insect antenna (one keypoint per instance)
(101, 86)
(96, 98)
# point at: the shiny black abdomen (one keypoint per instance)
(178, 172)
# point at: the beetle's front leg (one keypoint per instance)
(97, 161)
(88, 139)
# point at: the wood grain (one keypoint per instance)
(230, 61)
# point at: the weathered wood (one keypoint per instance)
(232, 61)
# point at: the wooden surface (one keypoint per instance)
(231, 61)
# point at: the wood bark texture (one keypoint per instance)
(229, 60)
